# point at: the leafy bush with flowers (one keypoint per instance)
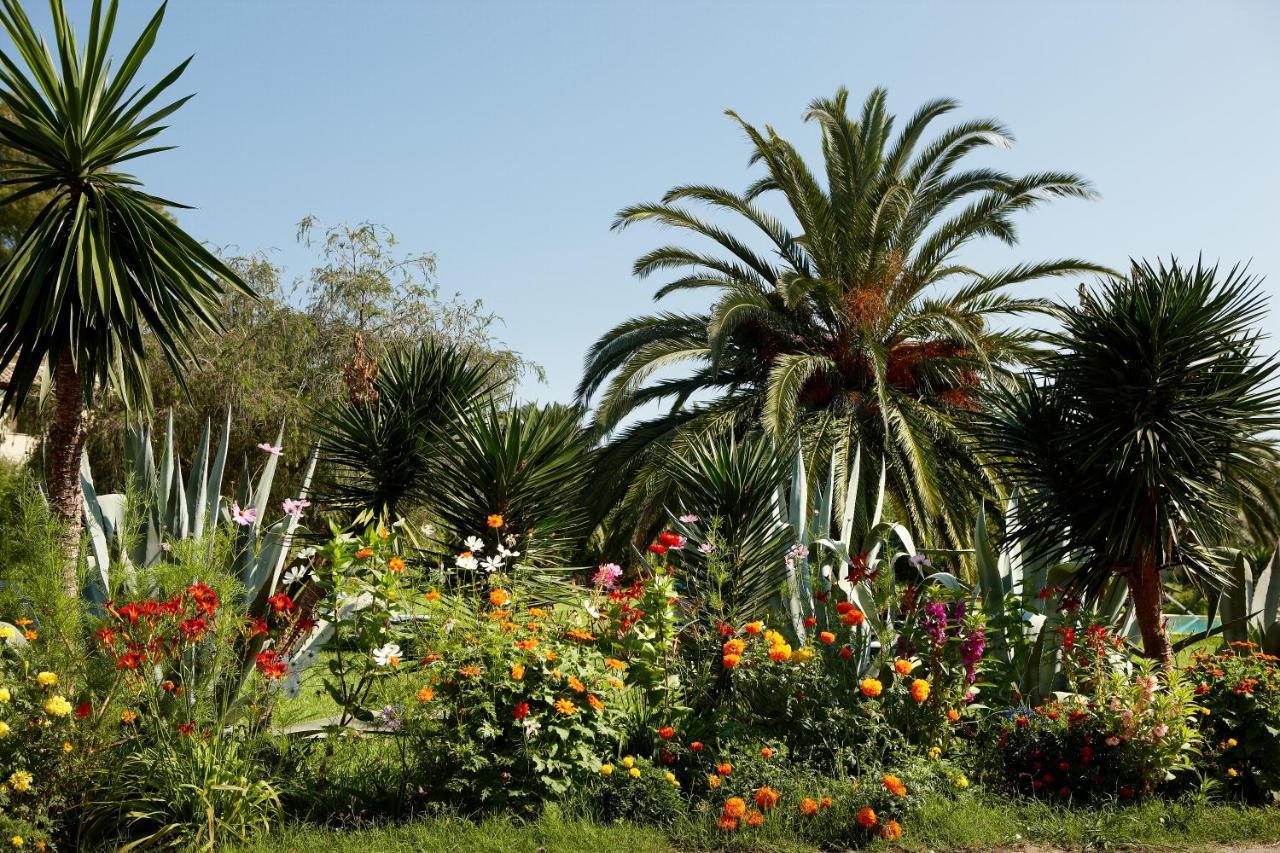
(41, 745)
(635, 789)
(512, 700)
(1122, 731)
(1239, 693)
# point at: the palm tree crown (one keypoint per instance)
(847, 322)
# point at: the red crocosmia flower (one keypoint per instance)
(185, 728)
(281, 602)
(521, 710)
(83, 710)
(658, 549)
(257, 627)
(105, 636)
(193, 629)
(131, 612)
(271, 666)
(130, 660)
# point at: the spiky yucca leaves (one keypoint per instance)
(521, 473)
(733, 484)
(100, 263)
(862, 313)
(385, 453)
(1138, 436)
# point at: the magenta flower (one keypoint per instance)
(295, 507)
(243, 517)
(606, 577)
(273, 449)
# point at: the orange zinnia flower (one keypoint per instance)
(894, 785)
(808, 807)
(867, 817)
(735, 807)
(498, 597)
(495, 521)
(395, 564)
(766, 798)
(564, 706)
(919, 690)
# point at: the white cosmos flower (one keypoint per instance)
(306, 553)
(492, 564)
(474, 544)
(295, 574)
(531, 725)
(466, 562)
(388, 655)
(506, 553)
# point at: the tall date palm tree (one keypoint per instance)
(864, 320)
(101, 262)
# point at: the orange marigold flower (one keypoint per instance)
(826, 637)
(666, 732)
(498, 597)
(469, 671)
(578, 686)
(891, 831)
(753, 627)
(808, 807)
(713, 781)
(825, 802)
(517, 671)
(127, 717)
(730, 661)
(754, 818)
(495, 521)
(919, 690)
(724, 768)
(766, 797)
(766, 752)
(733, 646)
(594, 701)
(564, 706)
(528, 645)
(735, 807)
(614, 663)
(364, 553)
(854, 617)
(953, 715)
(870, 687)
(579, 634)
(432, 595)
(903, 666)
(697, 746)
(426, 694)
(551, 656)
(867, 817)
(894, 785)
(727, 824)
(780, 653)
(537, 613)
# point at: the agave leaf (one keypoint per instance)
(851, 500)
(990, 581)
(216, 474)
(262, 495)
(198, 484)
(99, 587)
(164, 483)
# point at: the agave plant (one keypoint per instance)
(1250, 604)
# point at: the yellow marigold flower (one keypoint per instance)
(594, 701)
(614, 663)
(935, 752)
(495, 521)
(517, 671)
(127, 716)
(498, 597)
(669, 776)
(46, 679)
(628, 762)
(634, 772)
(780, 653)
(21, 781)
(801, 655)
(1231, 742)
(57, 706)
(714, 781)
(919, 690)
(870, 687)
(606, 769)
(5, 632)
(4, 695)
(564, 706)
(1232, 772)
(17, 841)
(962, 782)
(426, 694)
(4, 729)
(66, 746)
(903, 666)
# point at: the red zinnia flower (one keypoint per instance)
(658, 549)
(521, 710)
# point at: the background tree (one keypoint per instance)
(1137, 437)
(99, 264)
(862, 325)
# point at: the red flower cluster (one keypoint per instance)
(270, 664)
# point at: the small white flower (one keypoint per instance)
(466, 562)
(306, 553)
(296, 574)
(399, 522)
(388, 655)
(491, 564)
(531, 726)
(510, 539)
(428, 529)
(474, 544)
(506, 553)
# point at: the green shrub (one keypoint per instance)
(1239, 692)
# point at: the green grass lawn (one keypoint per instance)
(980, 821)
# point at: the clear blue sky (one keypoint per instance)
(504, 136)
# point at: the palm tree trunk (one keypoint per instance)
(65, 444)
(1147, 590)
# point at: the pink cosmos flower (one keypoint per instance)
(707, 548)
(273, 449)
(606, 577)
(295, 507)
(688, 518)
(243, 517)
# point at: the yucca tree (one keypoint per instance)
(858, 316)
(101, 262)
(1143, 438)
